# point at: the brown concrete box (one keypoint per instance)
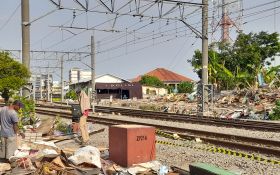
(131, 144)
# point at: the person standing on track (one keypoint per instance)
(9, 129)
(85, 107)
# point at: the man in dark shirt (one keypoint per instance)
(9, 129)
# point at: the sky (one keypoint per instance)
(130, 45)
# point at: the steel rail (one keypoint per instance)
(233, 123)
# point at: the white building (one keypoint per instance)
(107, 78)
(84, 74)
(41, 84)
(76, 75)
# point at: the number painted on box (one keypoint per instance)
(141, 138)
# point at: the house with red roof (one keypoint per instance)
(168, 77)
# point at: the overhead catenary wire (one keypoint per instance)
(149, 46)
(75, 35)
(10, 17)
(262, 4)
(245, 16)
(134, 31)
(65, 39)
(173, 29)
(67, 21)
(232, 13)
(248, 17)
(84, 30)
(137, 50)
(55, 44)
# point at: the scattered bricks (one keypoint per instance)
(131, 144)
(33, 136)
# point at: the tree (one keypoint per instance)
(185, 87)
(255, 49)
(151, 81)
(13, 75)
(239, 64)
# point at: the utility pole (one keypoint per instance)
(93, 72)
(202, 93)
(61, 79)
(25, 27)
(205, 42)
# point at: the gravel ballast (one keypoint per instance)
(225, 130)
(183, 156)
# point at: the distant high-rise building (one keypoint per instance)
(84, 74)
(40, 84)
(76, 74)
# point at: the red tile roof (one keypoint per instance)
(165, 76)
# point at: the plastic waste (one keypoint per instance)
(88, 154)
(163, 170)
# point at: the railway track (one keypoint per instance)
(234, 123)
(256, 145)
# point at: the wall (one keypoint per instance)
(84, 74)
(154, 90)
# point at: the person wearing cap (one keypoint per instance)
(85, 107)
(9, 129)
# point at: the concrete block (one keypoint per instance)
(131, 144)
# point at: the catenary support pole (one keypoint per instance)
(62, 79)
(93, 95)
(205, 42)
(202, 105)
(25, 27)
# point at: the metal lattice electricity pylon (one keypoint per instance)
(226, 16)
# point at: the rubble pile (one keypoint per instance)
(245, 103)
(40, 152)
(252, 104)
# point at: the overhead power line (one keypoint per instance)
(10, 17)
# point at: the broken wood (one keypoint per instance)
(69, 137)
(45, 126)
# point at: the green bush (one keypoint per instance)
(275, 115)
(26, 114)
(60, 125)
(185, 87)
(71, 95)
(151, 81)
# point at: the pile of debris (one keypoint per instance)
(39, 153)
(246, 103)
(251, 104)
